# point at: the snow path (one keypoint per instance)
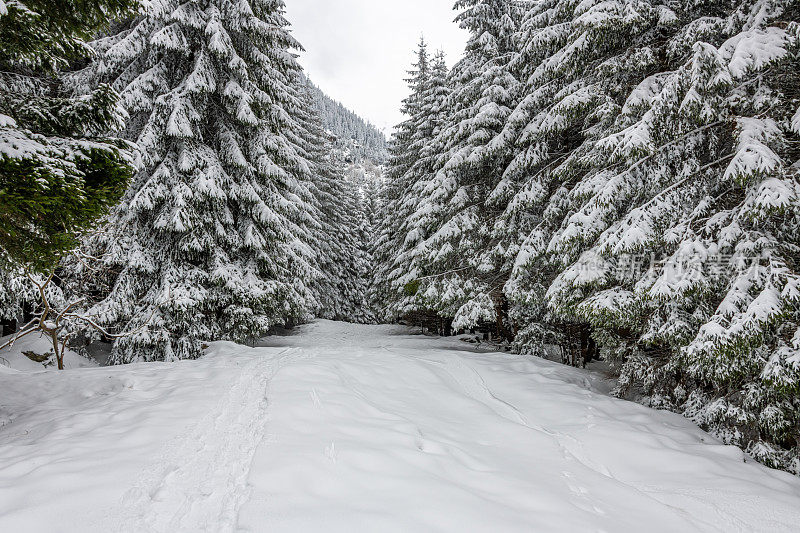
(200, 481)
(360, 428)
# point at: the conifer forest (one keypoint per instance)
(584, 235)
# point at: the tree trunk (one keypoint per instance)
(9, 327)
(584, 345)
(500, 313)
(27, 312)
(56, 349)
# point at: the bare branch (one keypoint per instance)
(102, 330)
(433, 276)
(82, 260)
(17, 337)
(69, 308)
(43, 296)
(63, 349)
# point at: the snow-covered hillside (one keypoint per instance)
(363, 428)
(354, 135)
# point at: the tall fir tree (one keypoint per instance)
(410, 262)
(580, 63)
(208, 242)
(405, 147)
(465, 261)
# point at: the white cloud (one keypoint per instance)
(358, 51)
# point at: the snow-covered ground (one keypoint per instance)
(357, 428)
(13, 356)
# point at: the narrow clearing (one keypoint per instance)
(363, 428)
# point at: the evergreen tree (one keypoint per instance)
(466, 262)
(428, 144)
(400, 180)
(580, 63)
(208, 242)
(58, 171)
(58, 174)
(368, 181)
(683, 163)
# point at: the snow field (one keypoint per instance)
(363, 428)
(144, 447)
(399, 433)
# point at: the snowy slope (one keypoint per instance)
(363, 428)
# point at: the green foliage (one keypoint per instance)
(411, 288)
(44, 35)
(57, 173)
(42, 210)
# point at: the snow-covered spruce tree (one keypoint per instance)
(580, 61)
(207, 243)
(360, 308)
(426, 146)
(58, 173)
(368, 181)
(365, 186)
(396, 193)
(698, 172)
(364, 310)
(462, 259)
(431, 117)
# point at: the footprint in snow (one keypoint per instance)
(315, 399)
(330, 452)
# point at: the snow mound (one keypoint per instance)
(14, 358)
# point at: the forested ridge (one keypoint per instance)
(353, 134)
(615, 179)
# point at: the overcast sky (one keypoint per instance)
(358, 51)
